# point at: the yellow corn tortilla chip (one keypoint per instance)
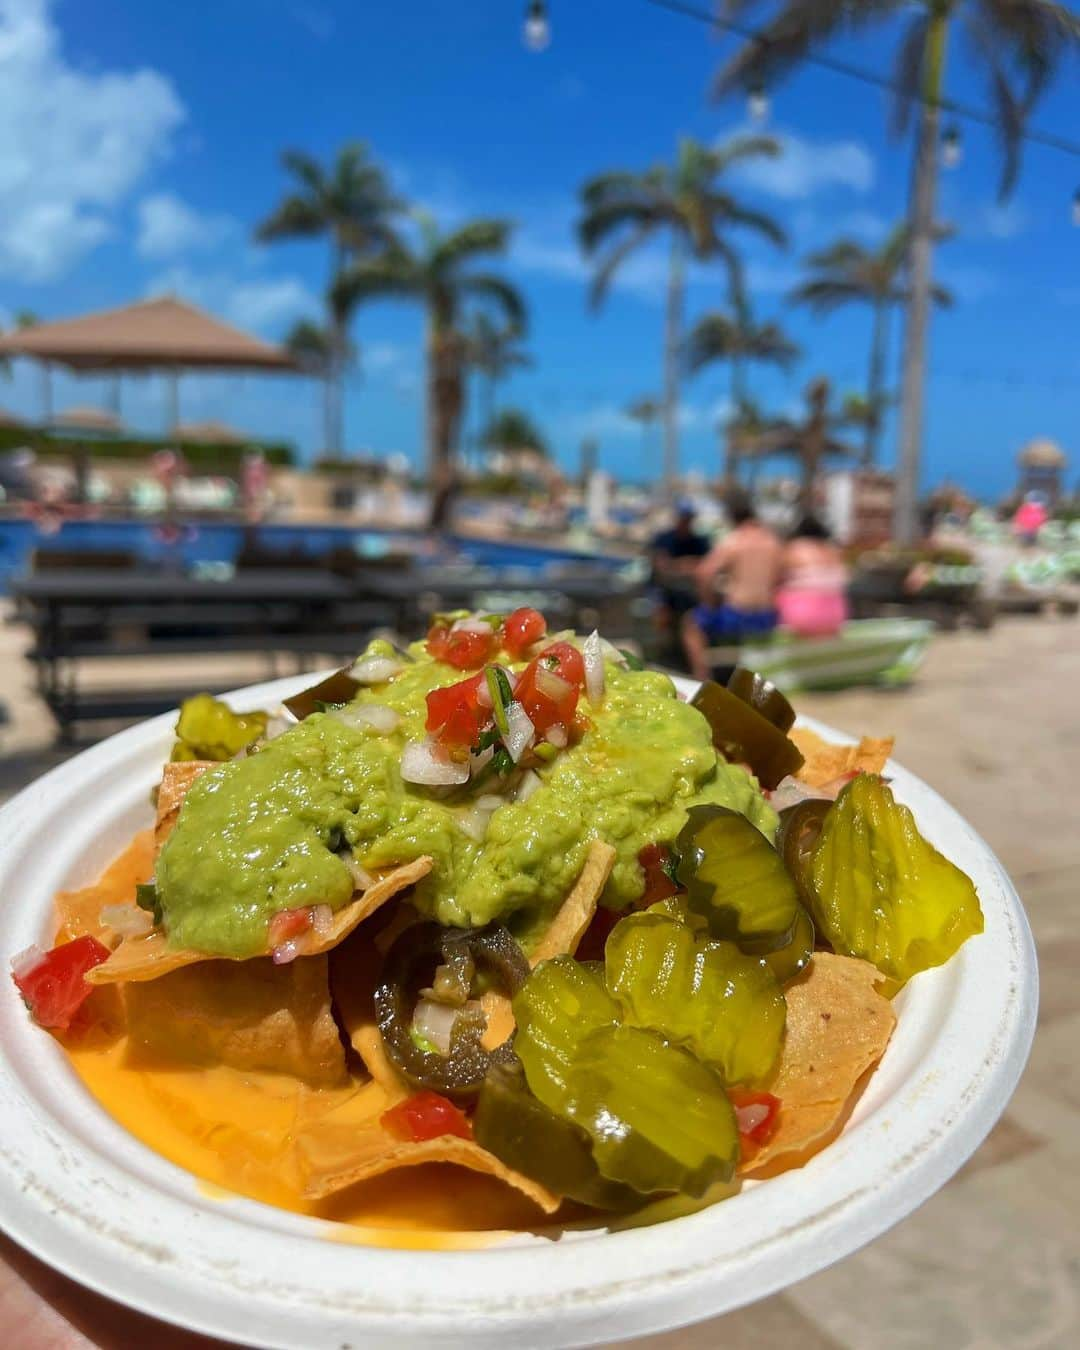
(838, 1026)
(148, 958)
(349, 1145)
(79, 911)
(824, 762)
(176, 778)
(252, 1016)
(562, 937)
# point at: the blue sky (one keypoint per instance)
(141, 145)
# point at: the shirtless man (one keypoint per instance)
(751, 560)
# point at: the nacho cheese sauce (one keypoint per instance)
(234, 1130)
(264, 833)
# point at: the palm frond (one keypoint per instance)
(495, 290)
(740, 148)
(305, 167)
(293, 218)
(608, 267)
(395, 274)
(823, 295)
(907, 73)
(615, 183)
(602, 221)
(732, 212)
(475, 237)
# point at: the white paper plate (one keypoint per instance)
(81, 1193)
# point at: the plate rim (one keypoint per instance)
(105, 1260)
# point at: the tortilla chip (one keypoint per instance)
(824, 762)
(838, 1026)
(176, 778)
(254, 1015)
(349, 1145)
(562, 937)
(148, 958)
(79, 911)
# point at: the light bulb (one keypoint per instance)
(537, 30)
(952, 147)
(757, 102)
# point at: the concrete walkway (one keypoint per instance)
(993, 1261)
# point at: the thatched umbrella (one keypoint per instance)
(165, 334)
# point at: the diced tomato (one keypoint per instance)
(591, 946)
(544, 708)
(288, 923)
(426, 1115)
(455, 713)
(658, 885)
(757, 1114)
(521, 629)
(461, 647)
(54, 987)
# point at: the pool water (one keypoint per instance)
(216, 543)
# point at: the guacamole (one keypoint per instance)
(273, 831)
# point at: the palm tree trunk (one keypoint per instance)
(924, 189)
(672, 356)
(328, 408)
(445, 402)
(874, 383)
(336, 327)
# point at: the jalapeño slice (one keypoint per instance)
(340, 687)
(763, 696)
(744, 736)
(736, 880)
(789, 961)
(724, 1006)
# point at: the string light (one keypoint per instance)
(757, 102)
(537, 29)
(952, 147)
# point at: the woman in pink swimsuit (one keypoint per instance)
(812, 600)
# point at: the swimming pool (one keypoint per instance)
(220, 542)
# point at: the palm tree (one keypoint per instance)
(353, 205)
(847, 272)
(1018, 43)
(625, 209)
(315, 351)
(23, 318)
(738, 339)
(809, 439)
(437, 271)
(513, 429)
(646, 412)
(493, 351)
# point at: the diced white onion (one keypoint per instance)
(361, 879)
(25, 961)
(276, 725)
(790, 792)
(378, 716)
(288, 951)
(126, 920)
(435, 1023)
(557, 736)
(322, 920)
(520, 734)
(471, 624)
(594, 667)
(529, 783)
(483, 695)
(552, 686)
(375, 669)
(474, 823)
(490, 802)
(481, 761)
(611, 653)
(511, 678)
(422, 763)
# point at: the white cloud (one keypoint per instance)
(75, 143)
(806, 167)
(266, 304)
(1001, 220)
(609, 421)
(168, 226)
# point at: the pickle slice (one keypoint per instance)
(744, 736)
(882, 891)
(659, 1119)
(787, 962)
(725, 1007)
(520, 1131)
(736, 880)
(560, 1003)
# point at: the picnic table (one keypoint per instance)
(84, 614)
